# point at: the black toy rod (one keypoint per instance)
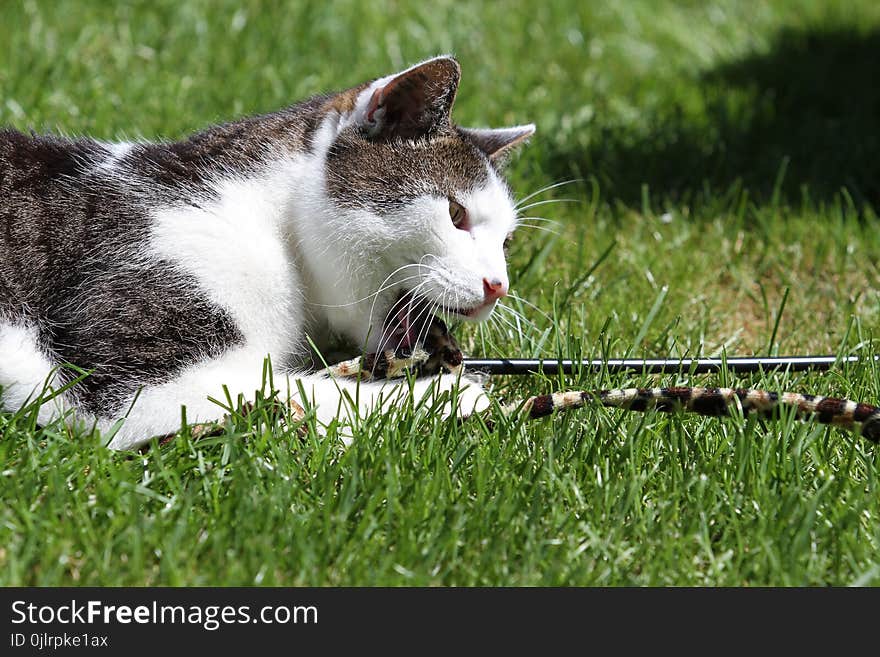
(659, 365)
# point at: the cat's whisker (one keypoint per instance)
(369, 296)
(492, 324)
(382, 287)
(426, 318)
(547, 188)
(376, 296)
(513, 311)
(504, 324)
(396, 307)
(422, 320)
(388, 329)
(386, 326)
(518, 298)
(513, 324)
(506, 330)
(482, 334)
(549, 201)
(519, 320)
(505, 309)
(543, 229)
(544, 219)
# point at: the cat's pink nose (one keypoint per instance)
(494, 288)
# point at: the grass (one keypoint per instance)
(726, 203)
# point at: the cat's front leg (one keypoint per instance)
(347, 399)
(286, 412)
(203, 389)
(466, 393)
(156, 410)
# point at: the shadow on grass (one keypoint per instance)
(808, 109)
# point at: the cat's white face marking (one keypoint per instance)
(455, 263)
(385, 251)
(408, 246)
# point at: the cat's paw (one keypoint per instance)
(466, 396)
(472, 398)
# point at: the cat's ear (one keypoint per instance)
(497, 142)
(409, 104)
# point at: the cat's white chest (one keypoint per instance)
(233, 245)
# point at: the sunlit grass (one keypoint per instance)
(706, 190)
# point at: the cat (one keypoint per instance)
(170, 270)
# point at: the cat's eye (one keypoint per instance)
(459, 215)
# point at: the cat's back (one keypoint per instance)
(38, 176)
(46, 155)
(35, 170)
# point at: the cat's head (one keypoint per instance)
(425, 208)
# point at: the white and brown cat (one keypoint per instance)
(171, 270)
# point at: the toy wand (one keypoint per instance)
(498, 366)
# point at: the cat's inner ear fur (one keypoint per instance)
(412, 104)
(497, 142)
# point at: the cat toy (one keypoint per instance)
(439, 351)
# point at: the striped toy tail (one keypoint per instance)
(714, 402)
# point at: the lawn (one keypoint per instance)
(718, 184)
